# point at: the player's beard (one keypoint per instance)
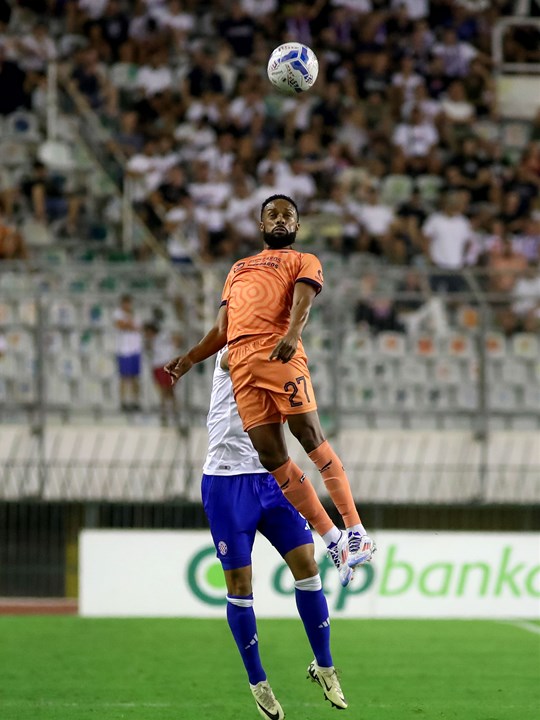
(280, 240)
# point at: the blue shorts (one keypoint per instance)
(129, 365)
(238, 505)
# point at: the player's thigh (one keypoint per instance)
(289, 384)
(280, 522)
(255, 405)
(233, 510)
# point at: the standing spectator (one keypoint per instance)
(128, 353)
(162, 345)
(448, 234)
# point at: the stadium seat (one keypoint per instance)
(495, 345)
(62, 313)
(6, 313)
(396, 189)
(525, 345)
(446, 371)
(391, 344)
(35, 233)
(459, 345)
(429, 187)
(413, 370)
(14, 153)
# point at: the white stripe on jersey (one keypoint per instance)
(230, 451)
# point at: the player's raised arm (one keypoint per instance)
(303, 297)
(213, 341)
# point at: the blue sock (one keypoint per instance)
(241, 619)
(313, 609)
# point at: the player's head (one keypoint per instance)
(279, 221)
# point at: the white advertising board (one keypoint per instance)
(413, 575)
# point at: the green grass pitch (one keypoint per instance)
(70, 668)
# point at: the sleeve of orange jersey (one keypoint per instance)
(310, 272)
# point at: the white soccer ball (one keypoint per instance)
(293, 68)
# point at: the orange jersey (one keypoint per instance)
(259, 291)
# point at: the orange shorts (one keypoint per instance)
(268, 391)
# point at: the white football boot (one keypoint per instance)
(361, 549)
(339, 555)
(327, 678)
(267, 705)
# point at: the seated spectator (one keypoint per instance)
(457, 113)
(50, 198)
(376, 311)
(238, 29)
(90, 80)
(526, 300)
(114, 23)
(505, 265)
(155, 76)
(415, 141)
(456, 55)
(36, 49)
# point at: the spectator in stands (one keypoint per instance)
(36, 49)
(526, 300)
(376, 219)
(161, 346)
(90, 80)
(50, 199)
(238, 29)
(447, 236)
(128, 352)
(415, 141)
(114, 24)
(375, 311)
(505, 265)
(15, 87)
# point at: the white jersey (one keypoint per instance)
(230, 451)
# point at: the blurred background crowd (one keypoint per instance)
(396, 154)
(398, 158)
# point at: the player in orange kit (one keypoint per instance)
(265, 305)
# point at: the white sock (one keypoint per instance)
(332, 536)
(358, 529)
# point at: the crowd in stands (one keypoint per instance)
(396, 153)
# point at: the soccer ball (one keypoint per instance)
(293, 68)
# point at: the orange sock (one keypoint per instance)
(300, 492)
(336, 482)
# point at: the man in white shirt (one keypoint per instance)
(415, 141)
(239, 498)
(448, 235)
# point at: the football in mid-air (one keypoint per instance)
(293, 68)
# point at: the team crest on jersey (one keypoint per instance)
(222, 547)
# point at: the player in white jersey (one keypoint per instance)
(239, 498)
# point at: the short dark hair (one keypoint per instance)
(278, 196)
